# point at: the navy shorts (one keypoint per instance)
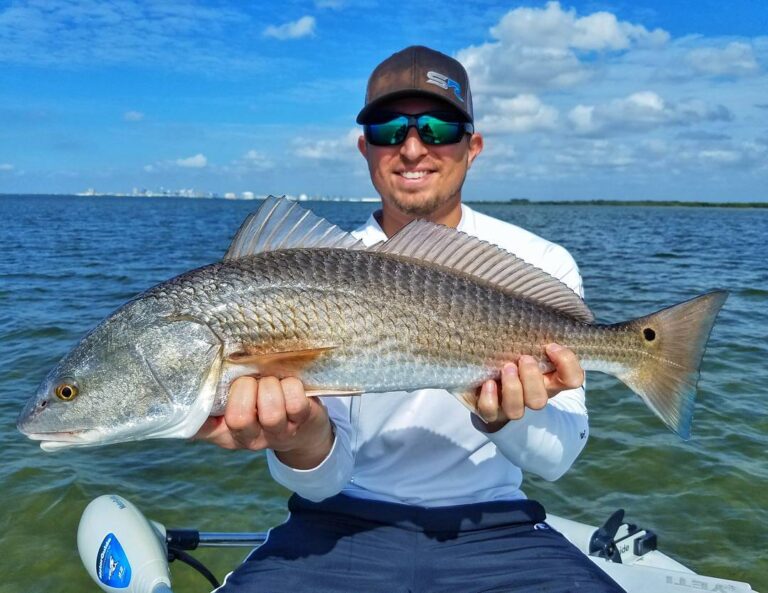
(345, 544)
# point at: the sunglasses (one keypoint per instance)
(390, 129)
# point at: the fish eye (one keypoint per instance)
(66, 391)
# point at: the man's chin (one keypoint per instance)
(417, 204)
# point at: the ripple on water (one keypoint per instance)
(706, 498)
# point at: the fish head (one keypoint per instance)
(142, 373)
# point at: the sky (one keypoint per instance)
(624, 99)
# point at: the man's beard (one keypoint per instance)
(421, 209)
(425, 207)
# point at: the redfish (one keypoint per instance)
(296, 296)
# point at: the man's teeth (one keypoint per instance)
(413, 174)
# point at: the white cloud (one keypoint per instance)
(197, 161)
(603, 31)
(293, 30)
(540, 48)
(6, 167)
(499, 159)
(596, 154)
(496, 68)
(255, 160)
(742, 155)
(554, 27)
(735, 59)
(642, 111)
(523, 113)
(133, 116)
(342, 148)
(727, 157)
(607, 155)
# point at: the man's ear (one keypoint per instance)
(475, 148)
(362, 146)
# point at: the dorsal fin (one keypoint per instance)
(280, 223)
(449, 248)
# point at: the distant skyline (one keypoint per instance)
(576, 100)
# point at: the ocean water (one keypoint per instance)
(69, 261)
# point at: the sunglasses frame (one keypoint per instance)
(413, 121)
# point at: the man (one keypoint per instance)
(430, 497)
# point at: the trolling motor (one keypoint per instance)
(124, 552)
(121, 550)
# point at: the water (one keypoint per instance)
(69, 261)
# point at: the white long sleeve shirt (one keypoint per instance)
(424, 448)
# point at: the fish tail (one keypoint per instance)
(673, 341)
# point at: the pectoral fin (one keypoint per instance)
(278, 364)
(288, 363)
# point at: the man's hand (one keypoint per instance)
(523, 385)
(270, 413)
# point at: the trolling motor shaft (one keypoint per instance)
(190, 539)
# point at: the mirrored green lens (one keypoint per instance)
(387, 133)
(434, 130)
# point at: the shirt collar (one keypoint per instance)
(371, 232)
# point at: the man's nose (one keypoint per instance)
(412, 147)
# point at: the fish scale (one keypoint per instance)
(355, 301)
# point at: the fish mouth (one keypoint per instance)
(51, 441)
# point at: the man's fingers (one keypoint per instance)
(214, 429)
(534, 390)
(488, 401)
(241, 413)
(271, 405)
(568, 373)
(512, 401)
(297, 404)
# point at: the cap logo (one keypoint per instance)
(444, 82)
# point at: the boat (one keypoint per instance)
(630, 556)
(124, 551)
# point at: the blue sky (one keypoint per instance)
(577, 100)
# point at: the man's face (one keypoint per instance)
(418, 179)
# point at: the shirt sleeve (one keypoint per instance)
(332, 474)
(546, 442)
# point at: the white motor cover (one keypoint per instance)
(121, 550)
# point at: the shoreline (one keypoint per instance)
(663, 203)
(510, 202)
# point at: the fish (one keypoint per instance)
(295, 296)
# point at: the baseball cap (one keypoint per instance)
(418, 70)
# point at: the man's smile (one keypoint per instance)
(415, 176)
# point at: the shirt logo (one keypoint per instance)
(444, 82)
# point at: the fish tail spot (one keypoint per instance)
(674, 340)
